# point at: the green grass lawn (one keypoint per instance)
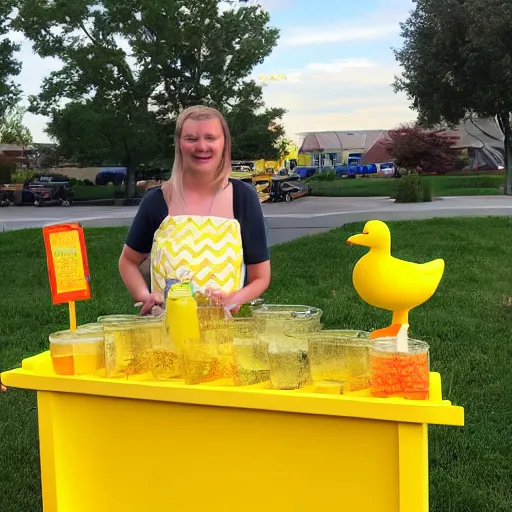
(467, 324)
(447, 185)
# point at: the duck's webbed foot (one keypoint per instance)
(390, 331)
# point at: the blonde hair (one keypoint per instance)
(198, 113)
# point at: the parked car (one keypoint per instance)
(305, 172)
(48, 188)
(388, 169)
(286, 188)
(114, 175)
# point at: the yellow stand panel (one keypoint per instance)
(110, 444)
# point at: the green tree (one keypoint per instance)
(44, 156)
(426, 151)
(12, 129)
(9, 66)
(131, 66)
(255, 129)
(456, 62)
(94, 132)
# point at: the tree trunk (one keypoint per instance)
(504, 122)
(130, 181)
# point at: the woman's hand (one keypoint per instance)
(152, 300)
(221, 298)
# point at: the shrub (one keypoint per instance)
(426, 191)
(23, 175)
(461, 162)
(74, 182)
(408, 188)
(411, 188)
(323, 176)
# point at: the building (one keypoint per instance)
(328, 149)
(481, 140)
(11, 153)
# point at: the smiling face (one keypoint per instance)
(202, 145)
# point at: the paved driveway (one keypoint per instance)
(286, 221)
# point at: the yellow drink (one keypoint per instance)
(250, 356)
(278, 328)
(63, 365)
(206, 362)
(340, 356)
(181, 318)
(166, 363)
(86, 364)
(79, 352)
(129, 340)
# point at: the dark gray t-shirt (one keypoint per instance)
(246, 208)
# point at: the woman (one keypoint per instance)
(200, 223)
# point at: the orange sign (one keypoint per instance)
(68, 268)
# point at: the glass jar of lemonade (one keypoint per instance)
(78, 353)
(129, 340)
(279, 327)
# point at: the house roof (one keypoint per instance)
(477, 133)
(470, 133)
(360, 140)
(10, 147)
(378, 153)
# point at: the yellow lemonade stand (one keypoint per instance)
(131, 446)
(135, 445)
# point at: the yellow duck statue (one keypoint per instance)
(389, 283)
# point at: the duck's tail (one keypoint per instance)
(435, 267)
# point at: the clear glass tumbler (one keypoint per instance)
(340, 356)
(399, 374)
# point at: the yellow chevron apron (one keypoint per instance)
(208, 247)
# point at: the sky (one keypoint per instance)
(336, 56)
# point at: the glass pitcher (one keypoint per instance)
(278, 329)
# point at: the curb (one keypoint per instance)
(108, 202)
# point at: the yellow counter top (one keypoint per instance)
(37, 374)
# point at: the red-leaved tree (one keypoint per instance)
(424, 150)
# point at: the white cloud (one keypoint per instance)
(269, 5)
(342, 94)
(345, 35)
(273, 5)
(349, 94)
(337, 66)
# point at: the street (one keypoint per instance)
(286, 221)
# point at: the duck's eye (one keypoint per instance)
(365, 233)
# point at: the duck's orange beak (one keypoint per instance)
(359, 239)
